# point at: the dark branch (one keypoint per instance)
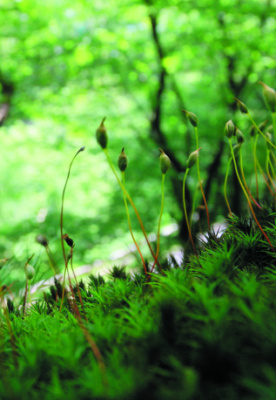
(7, 89)
(156, 131)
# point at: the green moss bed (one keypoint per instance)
(205, 329)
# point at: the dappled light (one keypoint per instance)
(137, 199)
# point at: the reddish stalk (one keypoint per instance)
(77, 285)
(247, 198)
(199, 181)
(26, 287)
(130, 228)
(255, 165)
(265, 179)
(159, 222)
(245, 184)
(225, 186)
(133, 206)
(185, 212)
(88, 337)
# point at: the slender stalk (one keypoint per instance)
(273, 156)
(225, 186)
(84, 329)
(130, 228)
(255, 164)
(161, 213)
(258, 129)
(271, 165)
(245, 184)
(77, 285)
(25, 297)
(61, 223)
(185, 211)
(274, 122)
(75, 306)
(199, 180)
(26, 286)
(267, 165)
(193, 207)
(265, 179)
(50, 259)
(132, 204)
(247, 198)
(160, 218)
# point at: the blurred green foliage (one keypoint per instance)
(64, 65)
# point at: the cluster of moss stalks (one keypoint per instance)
(201, 329)
(194, 331)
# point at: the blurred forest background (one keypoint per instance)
(64, 65)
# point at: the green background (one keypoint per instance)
(68, 64)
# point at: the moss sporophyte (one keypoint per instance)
(69, 241)
(192, 118)
(244, 110)
(189, 164)
(61, 222)
(105, 150)
(122, 161)
(125, 308)
(269, 96)
(244, 190)
(122, 164)
(43, 241)
(30, 273)
(101, 135)
(231, 131)
(229, 128)
(165, 164)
